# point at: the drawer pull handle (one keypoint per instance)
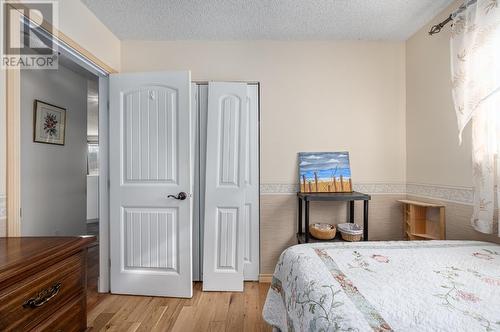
(43, 297)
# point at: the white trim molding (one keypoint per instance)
(3, 206)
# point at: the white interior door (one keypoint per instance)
(251, 208)
(223, 261)
(150, 159)
(195, 135)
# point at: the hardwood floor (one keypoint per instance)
(206, 311)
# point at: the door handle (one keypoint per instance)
(180, 196)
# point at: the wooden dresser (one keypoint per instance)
(43, 283)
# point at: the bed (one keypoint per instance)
(386, 286)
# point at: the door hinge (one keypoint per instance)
(20, 213)
(109, 262)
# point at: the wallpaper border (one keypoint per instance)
(462, 195)
(369, 188)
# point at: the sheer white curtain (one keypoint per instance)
(475, 65)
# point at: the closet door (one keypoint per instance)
(223, 260)
(201, 157)
(150, 181)
(195, 135)
(251, 207)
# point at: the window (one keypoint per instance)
(92, 158)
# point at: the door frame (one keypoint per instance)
(92, 63)
(103, 281)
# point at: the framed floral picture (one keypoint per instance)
(50, 123)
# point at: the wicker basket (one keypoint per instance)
(323, 231)
(350, 232)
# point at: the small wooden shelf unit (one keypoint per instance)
(423, 221)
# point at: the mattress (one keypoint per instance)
(386, 286)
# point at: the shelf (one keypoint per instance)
(301, 238)
(342, 196)
(304, 221)
(420, 224)
(424, 236)
(424, 204)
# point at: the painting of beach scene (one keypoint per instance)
(325, 172)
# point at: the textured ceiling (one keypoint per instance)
(265, 19)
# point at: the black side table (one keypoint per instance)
(303, 235)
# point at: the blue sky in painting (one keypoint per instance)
(326, 164)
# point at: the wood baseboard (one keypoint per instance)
(265, 278)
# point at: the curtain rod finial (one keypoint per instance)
(435, 29)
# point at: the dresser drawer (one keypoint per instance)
(70, 318)
(24, 305)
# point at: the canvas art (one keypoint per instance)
(50, 123)
(324, 172)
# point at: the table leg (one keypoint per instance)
(351, 211)
(300, 216)
(365, 220)
(307, 221)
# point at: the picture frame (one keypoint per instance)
(49, 123)
(324, 172)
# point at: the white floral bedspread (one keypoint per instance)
(385, 286)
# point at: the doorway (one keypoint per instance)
(54, 151)
(51, 186)
(59, 179)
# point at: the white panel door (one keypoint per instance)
(225, 187)
(251, 208)
(251, 220)
(150, 160)
(196, 182)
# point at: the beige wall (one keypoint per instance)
(315, 96)
(433, 154)
(81, 25)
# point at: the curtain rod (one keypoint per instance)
(437, 28)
